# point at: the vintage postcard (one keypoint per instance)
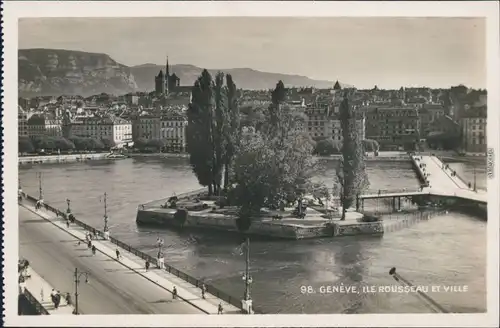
(226, 164)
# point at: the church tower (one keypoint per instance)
(167, 78)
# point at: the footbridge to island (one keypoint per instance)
(438, 182)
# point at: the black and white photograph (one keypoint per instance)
(238, 165)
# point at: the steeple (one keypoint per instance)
(167, 69)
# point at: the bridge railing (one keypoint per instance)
(39, 308)
(456, 176)
(235, 301)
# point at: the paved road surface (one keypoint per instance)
(113, 289)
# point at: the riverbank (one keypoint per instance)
(204, 214)
(63, 158)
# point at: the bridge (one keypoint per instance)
(437, 179)
(116, 285)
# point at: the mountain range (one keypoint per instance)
(69, 72)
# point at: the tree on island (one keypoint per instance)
(232, 132)
(272, 167)
(351, 174)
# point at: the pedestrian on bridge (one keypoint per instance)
(147, 265)
(68, 299)
(220, 308)
(118, 254)
(67, 223)
(174, 293)
(89, 244)
(93, 249)
(203, 290)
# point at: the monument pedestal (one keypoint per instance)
(106, 235)
(246, 305)
(161, 263)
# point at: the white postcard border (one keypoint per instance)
(13, 10)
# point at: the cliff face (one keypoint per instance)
(56, 72)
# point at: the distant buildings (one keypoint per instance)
(22, 122)
(112, 128)
(44, 125)
(473, 124)
(169, 127)
(394, 128)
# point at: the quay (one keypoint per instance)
(23, 160)
(124, 285)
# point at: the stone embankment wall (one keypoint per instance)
(61, 158)
(273, 229)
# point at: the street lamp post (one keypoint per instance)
(159, 256)
(247, 299)
(474, 170)
(40, 191)
(105, 213)
(78, 275)
(68, 211)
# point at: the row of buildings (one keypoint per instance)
(169, 127)
(396, 124)
(396, 119)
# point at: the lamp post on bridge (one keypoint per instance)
(247, 299)
(68, 201)
(40, 190)
(106, 228)
(474, 170)
(78, 275)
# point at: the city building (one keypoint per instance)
(173, 131)
(166, 83)
(44, 125)
(147, 127)
(473, 124)
(110, 127)
(22, 122)
(394, 128)
(429, 113)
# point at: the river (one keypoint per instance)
(445, 250)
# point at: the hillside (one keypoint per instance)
(56, 72)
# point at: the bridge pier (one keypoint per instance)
(396, 203)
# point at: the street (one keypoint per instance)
(112, 289)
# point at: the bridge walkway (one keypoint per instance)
(186, 291)
(40, 289)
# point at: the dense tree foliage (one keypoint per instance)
(25, 145)
(272, 167)
(351, 173)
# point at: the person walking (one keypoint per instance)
(174, 293)
(89, 244)
(117, 254)
(53, 296)
(220, 308)
(68, 299)
(67, 223)
(93, 249)
(203, 290)
(57, 300)
(147, 265)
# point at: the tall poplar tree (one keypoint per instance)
(233, 129)
(219, 130)
(200, 144)
(351, 173)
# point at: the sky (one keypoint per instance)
(364, 51)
